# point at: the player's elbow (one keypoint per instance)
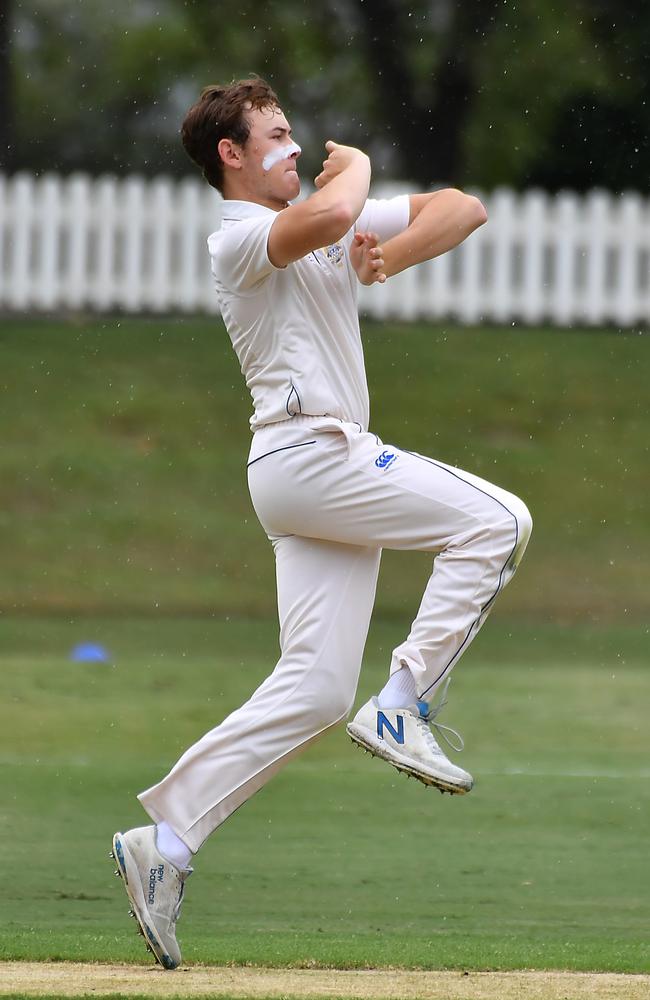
(340, 218)
(476, 211)
(470, 210)
(473, 210)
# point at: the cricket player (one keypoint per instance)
(329, 494)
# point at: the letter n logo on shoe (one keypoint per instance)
(383, 723)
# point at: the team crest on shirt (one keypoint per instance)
(334, 253)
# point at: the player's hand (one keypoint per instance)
(339, 157)
(367, 259)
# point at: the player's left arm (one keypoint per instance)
(438, 222)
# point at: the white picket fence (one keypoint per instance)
(138, 245)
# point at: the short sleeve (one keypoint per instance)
(239, 253)
(385, 216)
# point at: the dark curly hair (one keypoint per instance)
(220, 113)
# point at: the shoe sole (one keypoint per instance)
(404, 764)
(126, 862)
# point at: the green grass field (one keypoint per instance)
(339, 861)
(122, 483)
(125, 519)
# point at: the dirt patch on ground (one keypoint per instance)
(70, 979)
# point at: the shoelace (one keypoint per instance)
(427, 721)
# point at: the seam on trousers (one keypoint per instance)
(288, 697)
(294, 750)
(491, 600)
(286, 447)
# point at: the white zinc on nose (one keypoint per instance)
(283, 153)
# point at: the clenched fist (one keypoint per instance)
(338, 159)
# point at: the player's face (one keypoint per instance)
(269, 157)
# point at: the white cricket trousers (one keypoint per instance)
(330, 497)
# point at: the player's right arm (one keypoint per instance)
(439, 222)
(324, 217)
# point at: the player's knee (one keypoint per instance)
(336, 706)
(523, 526)
(511, 533)
(327, 707)
(524, 523)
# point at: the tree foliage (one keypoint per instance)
(480, 94)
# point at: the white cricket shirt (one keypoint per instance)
(295, 329)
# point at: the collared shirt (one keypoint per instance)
(295, 329)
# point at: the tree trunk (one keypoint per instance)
(6, 110)
(428, 130)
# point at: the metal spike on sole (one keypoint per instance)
(111, 856)
(428, 783)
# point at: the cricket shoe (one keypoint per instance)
(155, 889)
(403, 737)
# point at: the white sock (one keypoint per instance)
(172, 847)
(399, 691)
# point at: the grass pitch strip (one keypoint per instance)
(26, 980)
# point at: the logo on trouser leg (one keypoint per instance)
(385, 459)
(383, 723)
